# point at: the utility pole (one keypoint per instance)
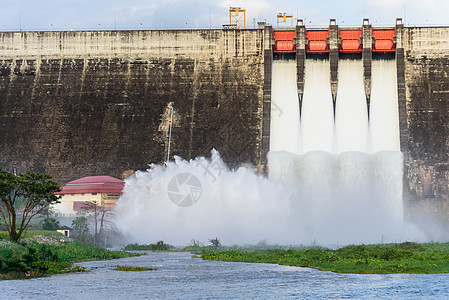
(169, 135)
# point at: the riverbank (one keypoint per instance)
(408, 257)
(44, 253)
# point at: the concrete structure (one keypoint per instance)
(65, 230)
(367, 54)
(79, 195)
(425, 119)
(79, 103)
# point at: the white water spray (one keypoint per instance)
(311, 196)
(235, 206)
(240, 207)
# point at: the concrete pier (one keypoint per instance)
(367, 56)
(333, 57)
(300, 60)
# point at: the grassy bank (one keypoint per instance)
(44, 253)
(363, 259)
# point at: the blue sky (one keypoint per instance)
(178, 14)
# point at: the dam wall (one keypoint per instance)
(81, 103)
(425, 134)
(74, 104)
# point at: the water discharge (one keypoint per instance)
(328, 183)
(285, 126)
(317, 123)
(384, 120)
(313, 198)
(351, 116)
(235, 206)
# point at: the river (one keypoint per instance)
(178, 276)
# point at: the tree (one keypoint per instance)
(50, 224)
(34, 191)
(215, 242)
(47, 213)
(99, 214)
(94, 208)
(80, 226)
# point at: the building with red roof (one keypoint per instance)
(103, 190)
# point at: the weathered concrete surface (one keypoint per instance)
(367, 58)
(87, 103)
(266, 106)
(74, 104)
(426, 151)
(300, 62)
(334, 42)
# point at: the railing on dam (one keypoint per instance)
(350, 40)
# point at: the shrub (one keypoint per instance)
(50, 224)
(409, 246)
(47, 253)
(135, 269)
(32, 256)
(13, 264)
(161, 246)
(215, 242)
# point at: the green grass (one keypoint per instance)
(159, 246)
(406, 257)
(32, 233)
(133, 269)
(31, 258)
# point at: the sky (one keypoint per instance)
(192, 14)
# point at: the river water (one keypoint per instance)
(178, 276)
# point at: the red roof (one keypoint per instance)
(97, 179)
(93, 184)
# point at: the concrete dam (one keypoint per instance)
(80, 103)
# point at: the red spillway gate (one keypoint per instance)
(284, 40)
(317, 41)
(350, 40)
(384, 40)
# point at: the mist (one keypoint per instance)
(316, 198)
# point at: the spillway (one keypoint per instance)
(285, 126)
(348, 168)
(317, 111)
(351, 114)
(384, 121)
(350, 130)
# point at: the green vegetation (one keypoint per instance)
(215, 242)
(159, 246)
(22, 197)
(44, 253)
(406, 257)
(50, 224)
(134, 269)
(81, 227)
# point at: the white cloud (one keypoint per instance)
(255, 8)
(201, 13)
(387, 5)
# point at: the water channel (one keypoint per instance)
(178, 276)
